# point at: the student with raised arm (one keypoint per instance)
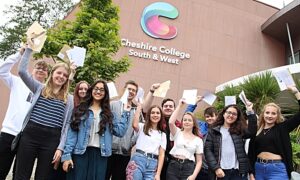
(47, 120)
(147, 161)
(89, 140)
(168, 107)
(186, 154)
(19, 103)
(270, 151)
(224, 147)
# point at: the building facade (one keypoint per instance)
(213, 41)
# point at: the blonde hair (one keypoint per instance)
(261, 120)
(63, 92)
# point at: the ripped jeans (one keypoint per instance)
(141, 167)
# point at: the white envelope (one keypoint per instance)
(112, 90)
(284, 79)
(124, 98)
(140, 95)
(190, 96)
(243, 97)
(229, 100)
(209, 98)
(77, 55)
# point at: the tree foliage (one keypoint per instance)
(23, 14)
(95, 28)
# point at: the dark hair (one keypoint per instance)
(132, 83)
(148, 124)
(106, 115)
(211, 111)
(238, 126)
(77, 99)
(196, 130)
(166, 100)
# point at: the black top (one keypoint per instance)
(283, 142)
(265, 142)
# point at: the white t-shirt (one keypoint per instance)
(94, 140)
(151, 143)
(184, 147)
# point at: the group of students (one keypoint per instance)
(93, 138)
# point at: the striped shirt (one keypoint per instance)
(48, 112)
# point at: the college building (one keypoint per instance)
(200, 44)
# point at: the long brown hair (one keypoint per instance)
(261, 119)
(148, 122)
(48, 89)
(195, 130)
(77, 99)
(239, 126)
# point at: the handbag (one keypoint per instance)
(15, 142)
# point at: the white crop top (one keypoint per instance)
(150, 144)
(184, 147)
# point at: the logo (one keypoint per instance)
(150, 20)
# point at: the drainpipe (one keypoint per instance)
(290, 41)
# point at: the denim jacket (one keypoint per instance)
(77, 141)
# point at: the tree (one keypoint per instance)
(95, 28)
(23, 14)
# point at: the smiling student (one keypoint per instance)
(47, 120)
(147, 161)
(80, 92)
(224, 147)
(186, 154)
(270, 151)
(89, 140)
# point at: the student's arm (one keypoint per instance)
(294, 121)
(197, 167)
(27, 78)
(69, 146)
(192, 107)
(136, 118)
(120, 126)
(6, 66)
(252, 121)
(161, 158)
(174, 117)
(149, 98)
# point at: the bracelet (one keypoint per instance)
(152, 91)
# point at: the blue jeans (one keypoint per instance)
(270, 171)
(141, 167)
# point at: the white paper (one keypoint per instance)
(140, 95)
(61, 55)
(112, 90)
(190, 96)
(162, 90)
(229, 100)
(124, 98)
(209, 98)
(284, 79)
(77, 55)
(243, 98)
(295, 68)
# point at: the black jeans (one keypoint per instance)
(39, 142)
(116, 167)
(233, 174)
(6, 155)
(180, 170)
(203, 174)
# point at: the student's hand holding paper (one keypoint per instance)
(293, 89)
(249, 106)
(154, 87)
(199, 99)
(73, 71)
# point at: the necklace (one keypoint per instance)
(265, 131)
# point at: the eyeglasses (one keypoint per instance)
(99, 89)
(231, 113)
